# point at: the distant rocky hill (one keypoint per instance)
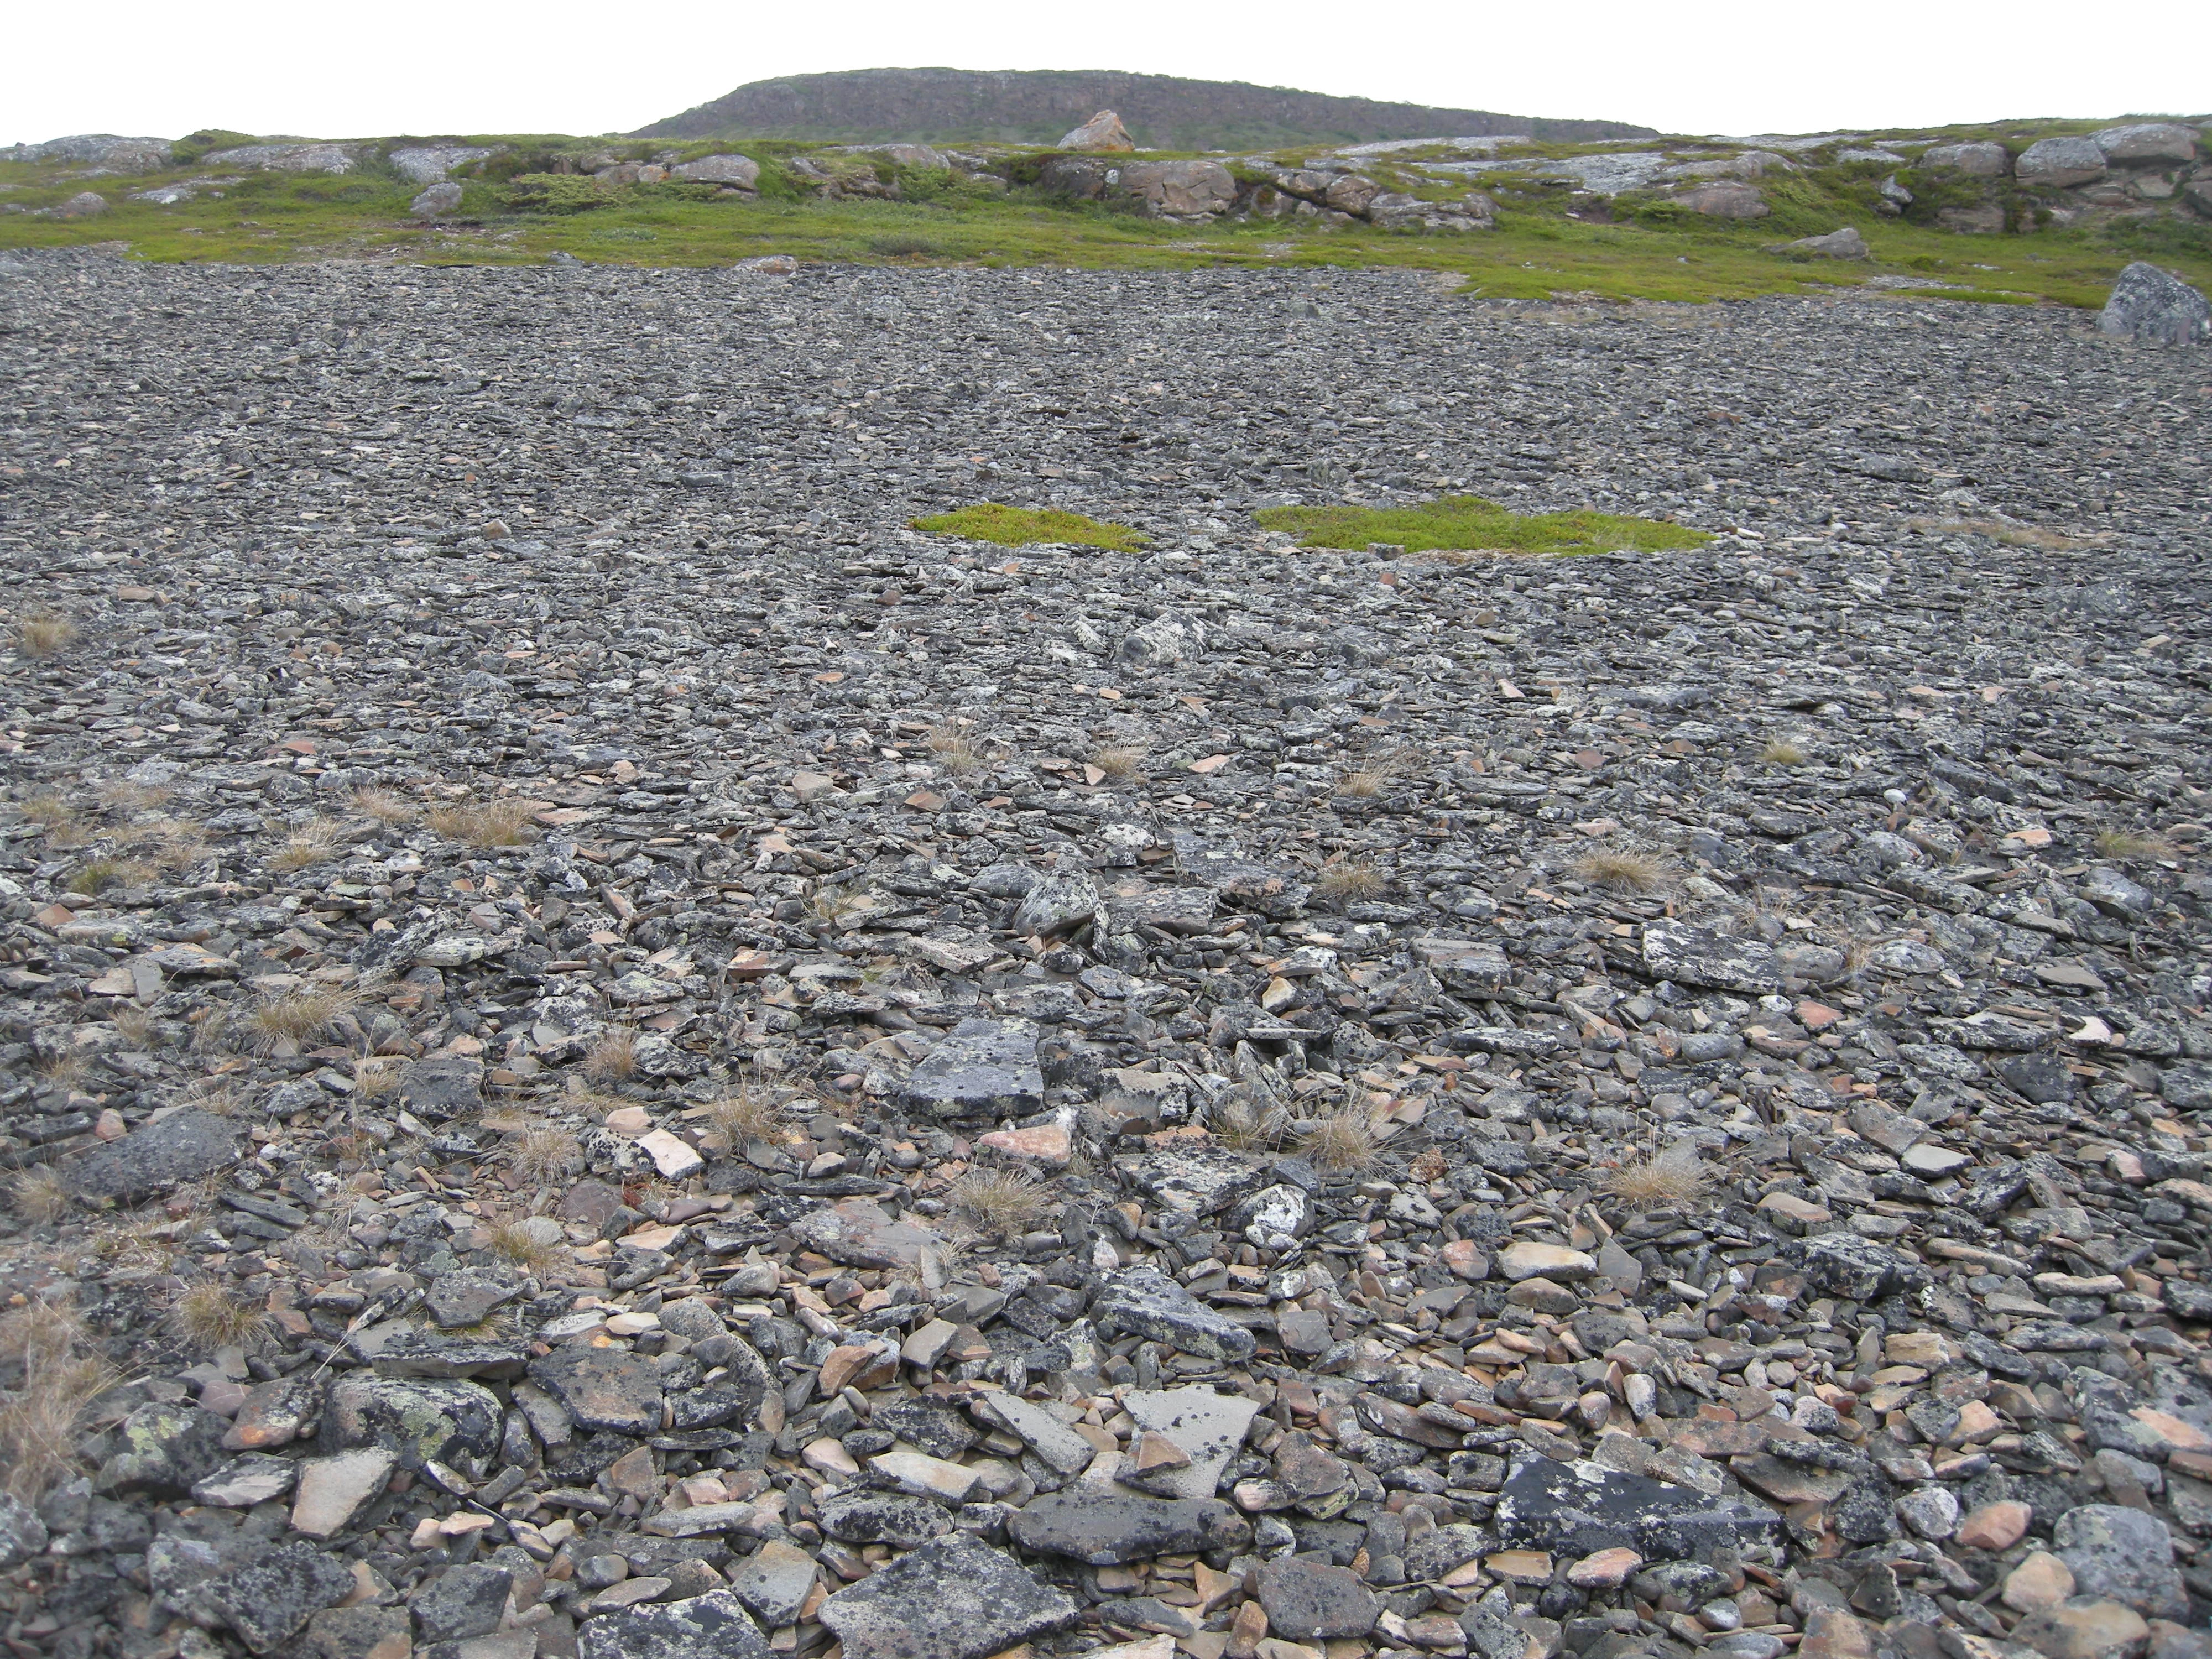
(1037, 105)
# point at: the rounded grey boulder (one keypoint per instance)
(2149, 304)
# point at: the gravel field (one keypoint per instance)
(608, 1053)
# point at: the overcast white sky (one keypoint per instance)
(553, 66)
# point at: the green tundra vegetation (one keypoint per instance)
(1467, 524)
(1023, 527)
(536, 197)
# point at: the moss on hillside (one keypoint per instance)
(1469, 523)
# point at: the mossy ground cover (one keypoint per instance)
(1468, 524)
(1537, 253)
(1021, 526)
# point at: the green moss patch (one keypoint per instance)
(1022, 526)
(1467, 524)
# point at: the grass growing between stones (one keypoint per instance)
(1468, 524)
(1023, 527)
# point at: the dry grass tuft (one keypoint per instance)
(100, 875)
(168, 843)
(1245, 1127)
(375, 1079)
(41, 636)
(1346, 881)
(2013, 533)
(1670, 1178)
(209, 1316)
(300, 1017)
(38, 1419)
(544, 1152)
(519, 1245)
(64, 1071)
(311, 843)
(1783, 752)
(38, 1195)
(1005, 1201)
(955, 747)
(1123, 762)
(503, 823)
(1343, 1138)
(1364, 783)
(2127, 844)
(746, 1116)
(385, 806)
(1618, 870)
(614, 1057)
(48, 811)
(134, 1025)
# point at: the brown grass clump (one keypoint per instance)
(1348, 880)
(47, 811)
(38, 1419)
(385, 807)
(1005, 1201)
(97, 876)
(1364, 783)
(2012, 533)
(1670, 1178)
(614, 1057)
(1245, 1127)
(64, 1071)
(955, 747)
(2127, 844)
(1618, 870)
(1123, 762)
(38, 1195)
(43, 636)
(298, 1017)
(519, 1245)
(209, 1316)
(1342, 1138)
(375, 1079)
(503, 823)
(168, 843)
(1783, 752)
(747, 1115)
(134, 1025)
(311, 843)
(544, 1152)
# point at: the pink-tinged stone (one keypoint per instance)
(1052, 1144)
(1831, 1633)
(1463, 1259)
(1607, 1570)
(1994, 1526)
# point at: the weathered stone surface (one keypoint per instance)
(955, 1599)
(602, 1388)
(22, 1534)
(775, 1582)
(466, 1600)
(715, 1626)
(166, 1449)
(2060, 161)
(2149, 304)
(1105, 1528)
(157, 1159)
(858, 1232)
(1308, 1599)
(1577, 1508)
(422, 1420)
(1102, 131)
(334, 1489)
(982, 1068)
(1148, 1304)
(2121, 1554)
(271, 1601)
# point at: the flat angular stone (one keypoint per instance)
(1527, 1259)
(921, 1475)
(22, 1534)
(157, 1159)
(422, 1421)
(333, 1489)
(1146, 1302)
(442, 1086)
(2121, 1554)
(775, 1582)
(955, 1599)
(2084, 1628)
(271, 1601)
(1690, 956)
(1579, 1508)
(1466, 965)
(860, 1514)
(1194, 1180)
(602, 1388)
(859, 1234)
(466, 1600)
(469, 1297)
(1208, 1428)
(712, 1626)
(1106, 1529)
(1045, 1434)
(1847, 1264)
(1307, 1599)
(984, 1067)
(245, 1481)
(166, 1449)
(2147, 303)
